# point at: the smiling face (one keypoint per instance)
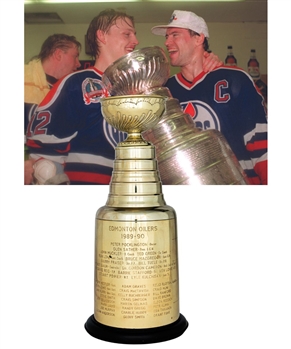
(181, 46)
(119, 40)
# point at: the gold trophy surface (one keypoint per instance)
(136, 291)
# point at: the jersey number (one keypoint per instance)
(40, 129)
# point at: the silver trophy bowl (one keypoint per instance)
(137, 72)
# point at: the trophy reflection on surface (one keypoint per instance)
(136, 290)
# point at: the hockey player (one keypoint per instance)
(59, 56)
(225, 99)
(68, 127)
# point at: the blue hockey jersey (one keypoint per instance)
(226, 99)
(68, 128)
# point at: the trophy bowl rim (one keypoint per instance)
(133, 53)
(137, 71)
(133, 97)
(122, 121)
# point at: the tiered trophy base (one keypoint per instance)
(136, 336)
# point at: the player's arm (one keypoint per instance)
(49, 134)
(256, 144)
(256, 139)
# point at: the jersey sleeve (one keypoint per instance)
(53, 125)
(254, 122)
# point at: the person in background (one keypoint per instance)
(225, 99)
(59, 56)
(68, 127)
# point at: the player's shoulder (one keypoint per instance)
(172, 79)
(232, 73)
(83, 73)
(76, 78)
(231, 70)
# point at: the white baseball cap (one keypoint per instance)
(183, 19)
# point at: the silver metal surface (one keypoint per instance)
(188, 155)
(185, 154)
(137, 72)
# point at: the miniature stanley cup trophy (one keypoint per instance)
(136, 254)
(136, 262)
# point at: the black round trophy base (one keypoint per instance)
(136, 336)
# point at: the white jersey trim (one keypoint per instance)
(250, 164)
(89, 159)
(58, 159)
(77, 158)
(52, 139)
(260, 128)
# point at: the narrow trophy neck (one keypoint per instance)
(135, 181)
(133, 139)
